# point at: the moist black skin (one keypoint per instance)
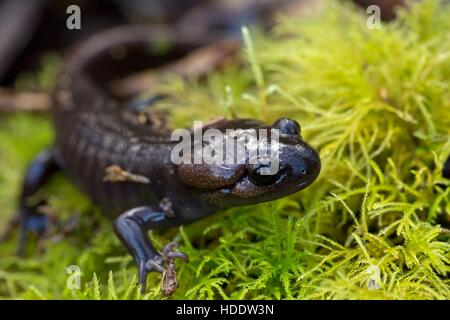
(95, 132)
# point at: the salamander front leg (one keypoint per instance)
(131, 228)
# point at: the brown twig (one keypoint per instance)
(196, 64)
(24, 101)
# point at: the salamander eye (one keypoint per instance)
(287, 126)
(258, 176)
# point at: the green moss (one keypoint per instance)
(376, 105)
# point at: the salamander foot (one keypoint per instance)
(131, 228)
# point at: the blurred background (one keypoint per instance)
(30, 30)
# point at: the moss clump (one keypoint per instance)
(376, 105)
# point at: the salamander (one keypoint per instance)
(126, 168)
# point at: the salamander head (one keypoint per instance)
(292, 166)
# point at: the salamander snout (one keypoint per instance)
(297, 157)
(299, 164)
(293, 167)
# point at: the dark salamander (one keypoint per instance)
(125, 166)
